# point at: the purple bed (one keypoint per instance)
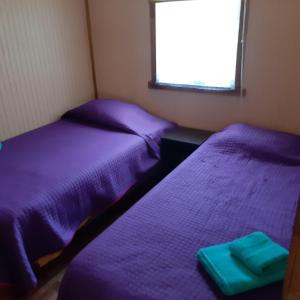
(55, 177)
(241, 180)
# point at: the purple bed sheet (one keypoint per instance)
(55, 177)
(241, 180)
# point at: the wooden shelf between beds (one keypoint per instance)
(179, 143)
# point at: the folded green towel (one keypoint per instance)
(230, 274)
(259, 253)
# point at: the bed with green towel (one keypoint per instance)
(244, 264)
(240, 181)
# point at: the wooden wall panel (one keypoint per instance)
(45, 63)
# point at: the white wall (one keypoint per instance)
(121, 34)
(45, 65)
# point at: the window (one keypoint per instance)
(196, 44)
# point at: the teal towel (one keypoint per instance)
(259, 253)
(230, 274)
(0, 146)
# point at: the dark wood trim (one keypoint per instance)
(91, 45)
(153, 40)
(194, 89)
(239, 62)
(153, 84)
(291, 289)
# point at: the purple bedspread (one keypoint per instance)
(52, 179)
(241, 180)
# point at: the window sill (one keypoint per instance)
(194, 89)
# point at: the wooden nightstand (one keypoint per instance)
(179, 143)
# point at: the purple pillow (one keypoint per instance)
(259, 143)
(122, 116)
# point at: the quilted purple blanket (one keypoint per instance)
(241, 180)
(52, 179)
